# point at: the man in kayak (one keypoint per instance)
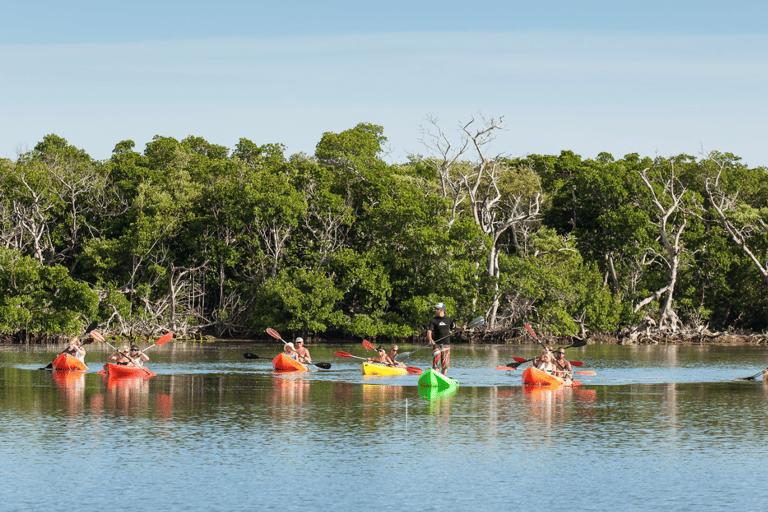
(439, 336)
(301, 352)
(563, 368)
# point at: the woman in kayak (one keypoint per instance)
(138, 356)
(546, 363)
(382, 357)
(393, 350)
(290, 351)
(75, 350)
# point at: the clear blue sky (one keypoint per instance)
(653, 77)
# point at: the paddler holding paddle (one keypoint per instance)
(441, 327)
(563, 368)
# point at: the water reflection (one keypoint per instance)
(71, 387)
(290, 392)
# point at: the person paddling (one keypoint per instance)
(439, 336)
(290, 351)
(545, 363)
(301, 352)
(381, 357)
(563, 368)
(76, 350)
(393, 350)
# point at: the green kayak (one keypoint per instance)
(433, 379)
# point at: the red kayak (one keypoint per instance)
(120, 371)
(535, 377)
(65, 361)
(283, 363)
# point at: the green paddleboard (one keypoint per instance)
(433, 379)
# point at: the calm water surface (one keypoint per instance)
(657, 428)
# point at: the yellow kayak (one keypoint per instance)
(382, 369)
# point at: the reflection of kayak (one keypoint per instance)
(535, 377)
(433, 379)
(382, 369)
(283, 363)
(122, 371)
(66, 379)
(67, 362)
(433, 393)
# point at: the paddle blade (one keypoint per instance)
(339, 353)
(368, 345)
(324, 366)
(412, 370)
(585, 372)
(248, 355)
(530, 331)
(97, 336)
(520, 359)
(577, 343)
(93, 325)
(165, 338)
(505, 368)
(576, 363)
(477, 322)
(273, 333)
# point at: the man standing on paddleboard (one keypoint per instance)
(439, 336)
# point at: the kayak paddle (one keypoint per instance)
(165, 338)
(753, 377)
(276, 335)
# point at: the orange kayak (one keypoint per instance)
(67, 362)
(119, 370)
(535, 377)
(283, 363)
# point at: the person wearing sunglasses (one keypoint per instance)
(393, 351)
(301, 352)
(381, 357)
(563, 368)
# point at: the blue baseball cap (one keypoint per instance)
(440, 305)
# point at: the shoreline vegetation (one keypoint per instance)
(211, 242)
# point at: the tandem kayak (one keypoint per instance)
(382, 369)
(535, 377)
(121, 371)
(283, 363)
(65, 361)
(434, 379)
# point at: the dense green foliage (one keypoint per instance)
(194, 237)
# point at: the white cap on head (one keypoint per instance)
(289, 344)
(299, 340)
